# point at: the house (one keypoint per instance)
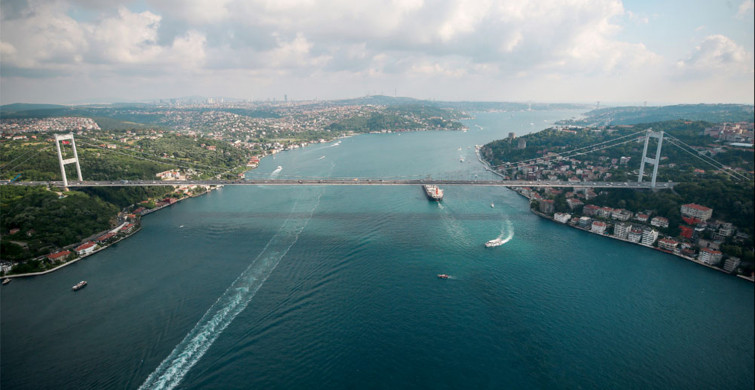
(668, 244)
(14, 231)
(574, 203)
(128, 228)
(86, 248)
(660, 222)
(621, 214)
(104, 237)
(641, 217)
(605, 212)
(598, 227)
(58, 256)
(562, 217)
(686, 231)
(696, 211)
(585, 222)
(590, 210)
(709, 256)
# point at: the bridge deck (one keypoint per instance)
(350, 181)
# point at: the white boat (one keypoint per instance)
(492, 205)
(79, 285)
(494, 242)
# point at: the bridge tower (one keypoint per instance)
(58, 139)
(654, 134)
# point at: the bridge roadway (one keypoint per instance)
(350, 181)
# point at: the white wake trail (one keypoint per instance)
(233, 301)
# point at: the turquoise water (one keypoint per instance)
(336, 287)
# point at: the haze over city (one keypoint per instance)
(627, 52)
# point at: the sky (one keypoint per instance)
(621, 52)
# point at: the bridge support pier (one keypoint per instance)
(75, 160)
(646, 159)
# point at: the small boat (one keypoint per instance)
(79, 285)
(443, 276)
(461, 159)
(492, 205)
(494, 242)
(6, 281)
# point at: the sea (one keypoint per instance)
(336, 287)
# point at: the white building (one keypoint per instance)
(635, 234)
(696, 211)
(562, 217)
(86, 248)
(649, 236)
(709, 256)
(621, 230)
(660, 222)
(731, 264)
(598, 227)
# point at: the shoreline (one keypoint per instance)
(67, 263)
(544, 216)
(488, 168)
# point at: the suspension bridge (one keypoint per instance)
(371, 181)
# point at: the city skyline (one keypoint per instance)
(78, 51)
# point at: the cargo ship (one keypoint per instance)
(433, 192)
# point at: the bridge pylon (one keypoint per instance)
(75, 160)
(645, 159)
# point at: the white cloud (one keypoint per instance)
(717, 55)
(745, 9)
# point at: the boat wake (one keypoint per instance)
(321, 158)
(507, 233)
(234, 300)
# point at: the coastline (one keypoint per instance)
(488, 168)
(545, 216)
(67, 263)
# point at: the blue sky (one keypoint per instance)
(662, 52)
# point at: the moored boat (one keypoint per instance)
(79, 285)
(6, 281)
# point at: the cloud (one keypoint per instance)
(745, 9)
(717, 55)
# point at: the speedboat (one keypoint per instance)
(443, 276)
(494, 242)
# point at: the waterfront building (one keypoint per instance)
(668, 244)
(598, 227)
(649, 236)
(546, 206)
(621, 230)
(585, 222)
(86, 248)
(562, 217)
(58, 256)
(709, 256)
(660, 222)
(731, 264)
(635, 234)
(641, 217)
(605, 212)
(696, 211)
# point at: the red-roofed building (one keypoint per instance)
(58, 256)
(709, 256)
(691, 220)
(128, 228)
(695, 210)
(686, 231)
(105, 237)
(86, 248)
(667, 244)
(590, 210)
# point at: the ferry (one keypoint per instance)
(494, 242)
(433, 192)
(443, 276)
(80, 285)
